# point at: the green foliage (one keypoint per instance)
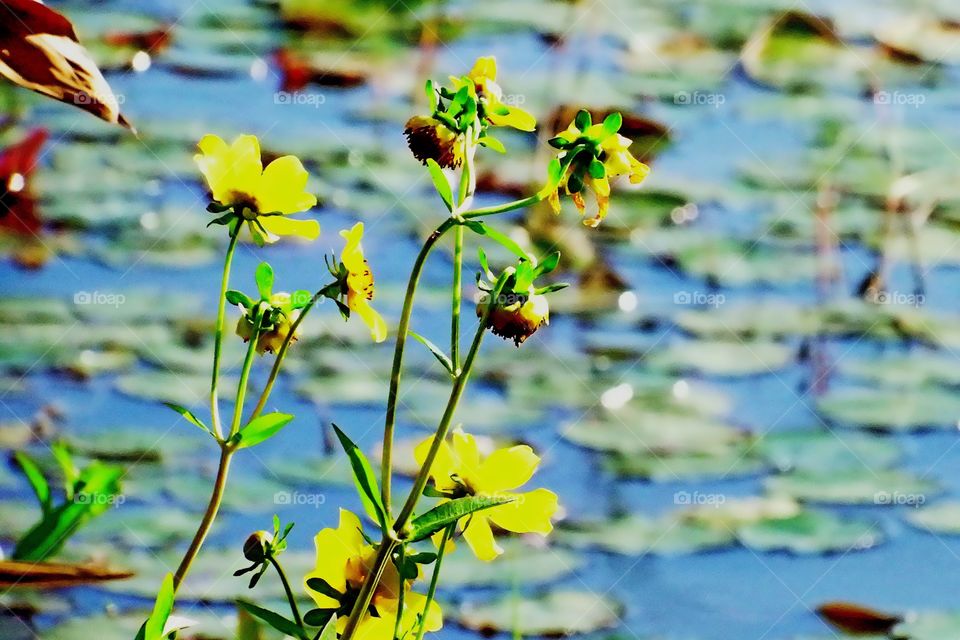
(364, 478)
(260, 429)
(447, 513)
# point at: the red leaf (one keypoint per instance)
(39, 51)
(854, 618)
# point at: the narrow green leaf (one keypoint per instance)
(548, 265)
(612, 123)
(492, 143)
(153, 629)
(39, 484)
(500, 238)
(260, 429)
(440, 183)
(97, 486)
(319, 617)
(431, 95)
(323, 587)
(264, 278)
(239, 298)
(61, 453)
(449, 512)
(583, 120)
(436, 351)
(364, 478)
(186, 413)
(275, 620)
(550, 288)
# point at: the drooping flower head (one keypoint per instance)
(592, 154)
(354, 287)
(463, 113)
(461, 470)
(271, 317)
(344, 559)
(261, 197)
(521, 307)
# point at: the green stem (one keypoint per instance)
(403, 330)
(399, 617)
(434, 579)
(281, 352)
(456, 392)
(218, 339)
(457, 298)
(213, 507)
(244, 379)
(503, 208)
(286, 588)
(391, 539)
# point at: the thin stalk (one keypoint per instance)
(456, 392)
(281, 352)
(434, 579)
(213, 507)
(403, 330)
(218, 339)
(502, 208)
(391, 540)
(286, 588)
(244, 379)
(457, 301)
(399, 617)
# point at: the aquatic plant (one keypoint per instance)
(364, 587)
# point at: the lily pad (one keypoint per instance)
(645, 432)
(521, 563)
(941, 518)
(637, 535)
(897, 409)
(823, 451)
(810, 532)
(723, 358)
(888, 487)
(557, 613)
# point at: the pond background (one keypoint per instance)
(736, 437)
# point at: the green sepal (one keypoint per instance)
(264, 279)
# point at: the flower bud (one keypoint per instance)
(257, 546)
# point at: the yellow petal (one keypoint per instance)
(415, 603)
(283, 226)
(282, 187)
(530, 513)
(378, 327)
(466, 455)
(374, 628)
(245, 166)
(515, 117)
(335, 547)
(443, 464)
(485, 68)
(213, 164)
(352, 256)
(507, 469)
(480, 538)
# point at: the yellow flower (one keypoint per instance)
(498, 113)
(611, 160)
(459, 470)
(360, 283)
(430, 139)
(344, 559)
(262, 197)
(518, 320)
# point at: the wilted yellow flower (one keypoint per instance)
(360, 283)
(611, 158)
(430, 139)
(518, 319)
(498, 113)
(262, 197)
(344, 559)
(460, 470)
